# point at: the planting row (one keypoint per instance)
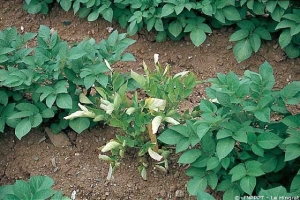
(255, 20)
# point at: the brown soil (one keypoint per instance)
(77, 166)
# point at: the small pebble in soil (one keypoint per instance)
(229, 47)
(179, 193)
(36, 158)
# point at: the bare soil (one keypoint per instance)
(76, 167)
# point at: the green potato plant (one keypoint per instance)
(42, 84)
(243, 140)
(255, 19)
(38, 187)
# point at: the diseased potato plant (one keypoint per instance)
(139, 115)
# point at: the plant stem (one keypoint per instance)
(152, 138)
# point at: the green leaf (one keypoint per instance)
(292, 152)
(189, 156)
(170, 137)
(79, 124)
(183, 130)
(66, 4)
(224, 147)
(167, 9)
(240, 136)
(28, 36)
(23, 127)
(202, 129)
(48, 113)
(263, 115)
(258, 8)
(43, 194)
(266, 72)
(233, 82)
(38, 183)
(285, 38)
(269, 162)
(183, 145)
(3, 58)
(224, 133)
(257, 150)
(22, 190)
(27, 107)
(292, 51)
(239, 35)
(212, 163)
(107, 14)
(3, 98)
(50, 100)
(231, 193)
(254, 168)
(64, 101)
(36, 120)
(248, 184)
(44, 32)
(196, 184)
(246, 25)
(127, 57)
(238, 172)
(292, 120)
(5, 50)
(197, 36)
(212, 180)
(276, 192)
(175, 28)
(268, 140)
(208, 144)
(277, 13)
(231, 13)
(138, 78)
(161, 36)
(295, 185)
(159, 26)
(242, 50)
(204, 195)
(207, 106)
(263, 33)
(255, 42)
(76, 53)
(292, 17)
(93, 16)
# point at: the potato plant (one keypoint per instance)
(140, 116)
(245, 141)
(255, 19)
(42, 84)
